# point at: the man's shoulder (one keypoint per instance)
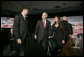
(47, 20)
(62, 22)
(69, 24)
(39, 21)
(18, 14)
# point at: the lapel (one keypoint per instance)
(46, 24)
(23, 19)
(42, 24)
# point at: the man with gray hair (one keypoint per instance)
(41, 32)
(68, 28)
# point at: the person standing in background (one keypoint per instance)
(70, 34)
(12, 42)
(68, 29)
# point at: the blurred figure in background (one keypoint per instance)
(68, 37)
(68, 28)
(12, 39)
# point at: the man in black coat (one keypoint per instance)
(20, 29)
(68, 28)
(41, 32)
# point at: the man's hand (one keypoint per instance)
(19, 41)
(35, 37)
(50, 37)
(63, 42)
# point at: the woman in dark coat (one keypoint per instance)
(58, 36)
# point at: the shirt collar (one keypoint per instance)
(23, 15)
(43, 19)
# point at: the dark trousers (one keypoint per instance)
(56, 52)
(20, 48)
(44, 44)
(12, 44)
(1, 50)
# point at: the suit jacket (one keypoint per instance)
(41, 32)
(20, 27)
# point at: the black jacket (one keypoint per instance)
(20, 27)
(66, 27)
(59, 35)
(70, 28)
(40, 31)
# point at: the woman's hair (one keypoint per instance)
(59, 22)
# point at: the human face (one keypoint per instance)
(25, 11)
(56, 19)
(65, 18)
(44, 16)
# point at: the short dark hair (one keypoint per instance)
(24, 9)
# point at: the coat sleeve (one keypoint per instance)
(63, 32)
(16, 26)
(49, 32)
(70, 29)
(36, 29)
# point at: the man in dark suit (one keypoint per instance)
(41, 32)
(20, 29)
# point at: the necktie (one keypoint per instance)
(26, 20)
(44, 24)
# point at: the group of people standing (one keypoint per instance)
(51, 38)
